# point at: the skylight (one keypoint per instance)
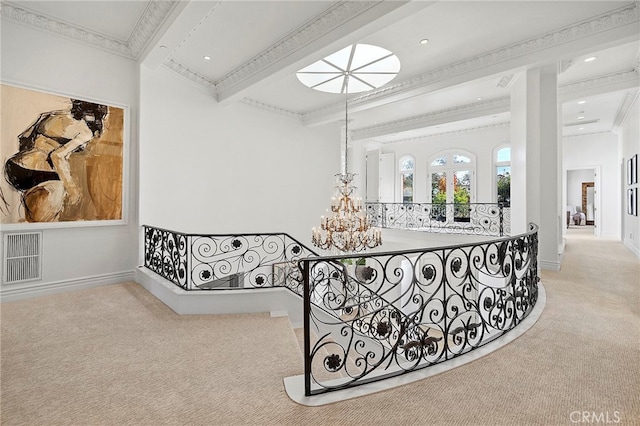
(368, 67)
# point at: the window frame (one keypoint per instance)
(450, 168)
(496, 164)
(401, 173)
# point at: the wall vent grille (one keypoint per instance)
(22, 257)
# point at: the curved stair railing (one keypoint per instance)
(366, 317)
(439, 303)
(493, 219)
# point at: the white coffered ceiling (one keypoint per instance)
(459, 80)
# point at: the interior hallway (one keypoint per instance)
(115, 355)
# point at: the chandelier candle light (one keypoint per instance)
(348, 229)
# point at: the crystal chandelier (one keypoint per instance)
(347, 228)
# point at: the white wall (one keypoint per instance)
(591, 151)
(630, 141)
(480, 143)
(77, 256)
(212, 168)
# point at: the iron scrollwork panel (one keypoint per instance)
(166, 254)
(401, 312)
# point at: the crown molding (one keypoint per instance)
(150, 21)
(488, 128)
(334, 17)
(152, 18)
(430, 118)
(624, 77)
(602, 23)
(193, 77)
(271, 108)
(490, 106)
(623, 109)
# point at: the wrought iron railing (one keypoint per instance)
(492, 219)
(366, 317)
(402, 311)
(213, 262)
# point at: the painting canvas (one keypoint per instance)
(62, 159)
(632, 201)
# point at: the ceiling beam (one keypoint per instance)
(600, 32)
(343, 24)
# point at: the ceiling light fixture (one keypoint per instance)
(356, 68)
(207, 58)
(581, 118)
(590, 59)
(424, 41)
(348, 229)
(582, 102)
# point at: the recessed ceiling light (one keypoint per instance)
(207, 58)
(582, 102)
(163, 47)
(580, 128)
(581, 118)
(424, 41)
(479, 98)
(590, 59)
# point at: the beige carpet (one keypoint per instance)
(115, 355)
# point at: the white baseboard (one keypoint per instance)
(12, 292)
(278, 301)
(631, 247)
(549, 265)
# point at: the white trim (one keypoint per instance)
(631, 247)
(549, 265)
(15, 292)
(278, 301)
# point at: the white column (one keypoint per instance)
(535, 160)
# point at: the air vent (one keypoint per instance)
(22, 257)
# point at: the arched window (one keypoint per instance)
(502, 161)
(451, 174)
(407, 170)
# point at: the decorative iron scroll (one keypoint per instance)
(491, 219)
(367, 317)
(165, 253)
(207, 262)
(401, 311)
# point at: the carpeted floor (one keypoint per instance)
(115, 355)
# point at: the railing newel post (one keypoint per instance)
(189, 262)
(306, 323)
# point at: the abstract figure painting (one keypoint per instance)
(62, 159)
